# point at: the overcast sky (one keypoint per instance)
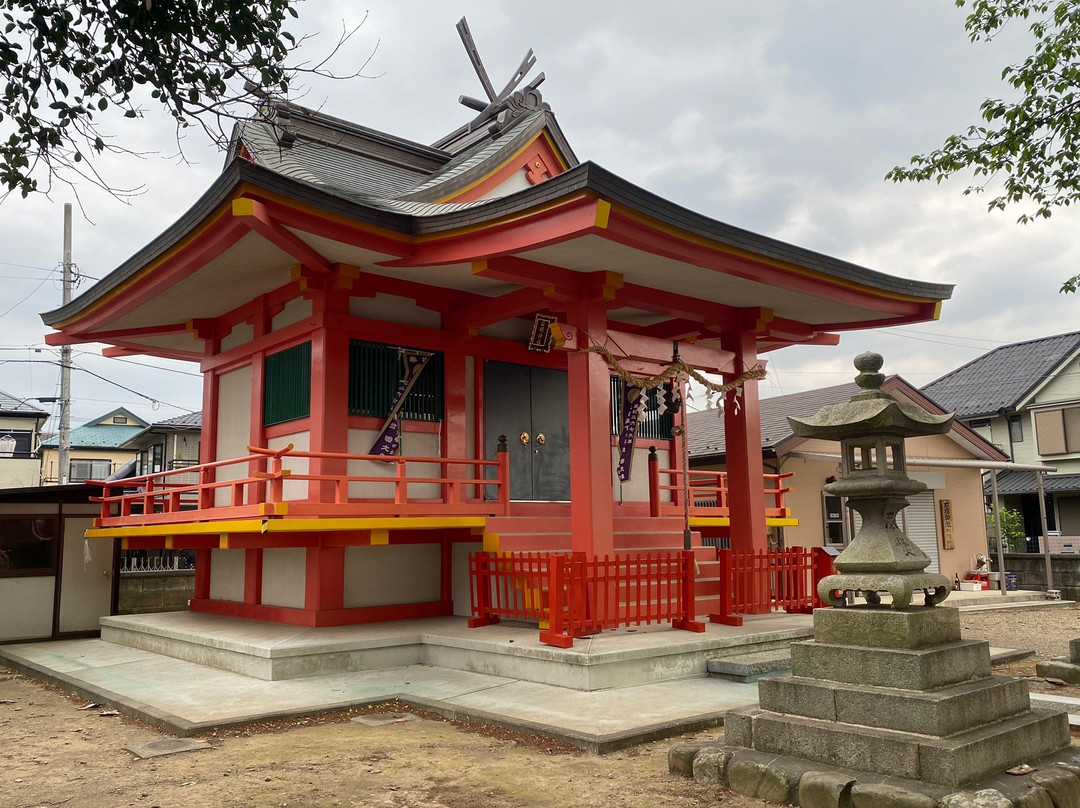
(779, 117)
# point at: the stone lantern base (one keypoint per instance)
(897, 691)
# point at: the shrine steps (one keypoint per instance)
(618, 658)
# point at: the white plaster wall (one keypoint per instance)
(394, 309)
(416, 444)
(85, 585)
(462, 592)
(27, 607)
(515, 182)
(1064, 387)
(234, 426)
(391, 574)
(227, 575)
(636, 489)
(240, 334)
(295, 310)
(17, 472)
(301, 441)
(283, 577)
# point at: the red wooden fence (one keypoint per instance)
(572, 596)
(760, 581)
(510, 586)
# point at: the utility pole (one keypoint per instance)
(65, 363)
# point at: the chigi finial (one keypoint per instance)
(509, 103)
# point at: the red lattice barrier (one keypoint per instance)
(760, 581)
(510, 586)
(588, 596)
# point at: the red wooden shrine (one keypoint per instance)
(326, 253)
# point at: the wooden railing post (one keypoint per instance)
(401, 484)
(822, 564)
(556, 633)
(502, 454)
(654, 482)
(727, 582)
(687, 621)
(480, 579)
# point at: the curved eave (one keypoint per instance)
(416, 237)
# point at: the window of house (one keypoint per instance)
(375, 373)
(28, 545)
(1058, 431)
(655, 422)
(16, 443)
(979, 423)
(287, 385)
(832, 512)
(1016, 429)
(82, 470)
(119, 419)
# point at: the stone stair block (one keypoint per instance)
(751, 667)
(909, 669)
(877, 627)
(953, 761)
(943, 712)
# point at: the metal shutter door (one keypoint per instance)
(920, 524)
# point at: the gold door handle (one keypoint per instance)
(524, 438)
(540, 439)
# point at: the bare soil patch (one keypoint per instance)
(52, 753)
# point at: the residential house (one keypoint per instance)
(381, 393)
(167, 445)
(946, 521)
(1025, 398)
(20, 434)
(96, 448)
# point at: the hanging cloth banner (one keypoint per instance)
(632, 400)
(389, 439)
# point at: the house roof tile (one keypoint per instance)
(1000, 380)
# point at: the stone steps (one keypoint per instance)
(957, 760)
(751, 667)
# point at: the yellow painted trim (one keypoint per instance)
(223, 542)
(123, 544)
(184, 529)
(169, 543)
(243, 207)
(380, 536)
(542, 134)
(724, 521)
(282, 508)
(491, 542)
(782, 521)
(603, 213)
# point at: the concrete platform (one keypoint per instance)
(187, 698)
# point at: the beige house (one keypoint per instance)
(20, 434)
(95, 449)
(946, 521)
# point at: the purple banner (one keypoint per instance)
(389, 440)
(632, 399)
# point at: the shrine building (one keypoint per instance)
(372, 316)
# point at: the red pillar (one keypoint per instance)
(329, 423)
(591, 491)
(325, 590)
(742, 434)
(455, 416)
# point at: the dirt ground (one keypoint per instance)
(52, 753)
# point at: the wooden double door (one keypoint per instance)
(530, 406)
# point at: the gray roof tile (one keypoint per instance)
(1003, 378)
(10, 405)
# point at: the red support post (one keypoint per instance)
(726, 615)
(823, 566)
(654, 482)
(688, 620)
(556, 633)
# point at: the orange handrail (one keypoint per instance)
(708, 492)
(163, 498)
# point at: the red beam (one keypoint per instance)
(496, 309)
(254, 215)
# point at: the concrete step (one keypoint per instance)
(953, 761)
(751, 667)
(943, 712)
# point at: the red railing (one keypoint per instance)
(510, 586)
(760, 581)
(570, 596)
(168, 497)
(708, 492)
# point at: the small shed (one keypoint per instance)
(52, 582)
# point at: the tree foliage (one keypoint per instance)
(1012, 528)
(1031, 143)
(68, 65)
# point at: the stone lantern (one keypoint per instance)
(871, 428)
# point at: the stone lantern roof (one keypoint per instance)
(870, 412)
